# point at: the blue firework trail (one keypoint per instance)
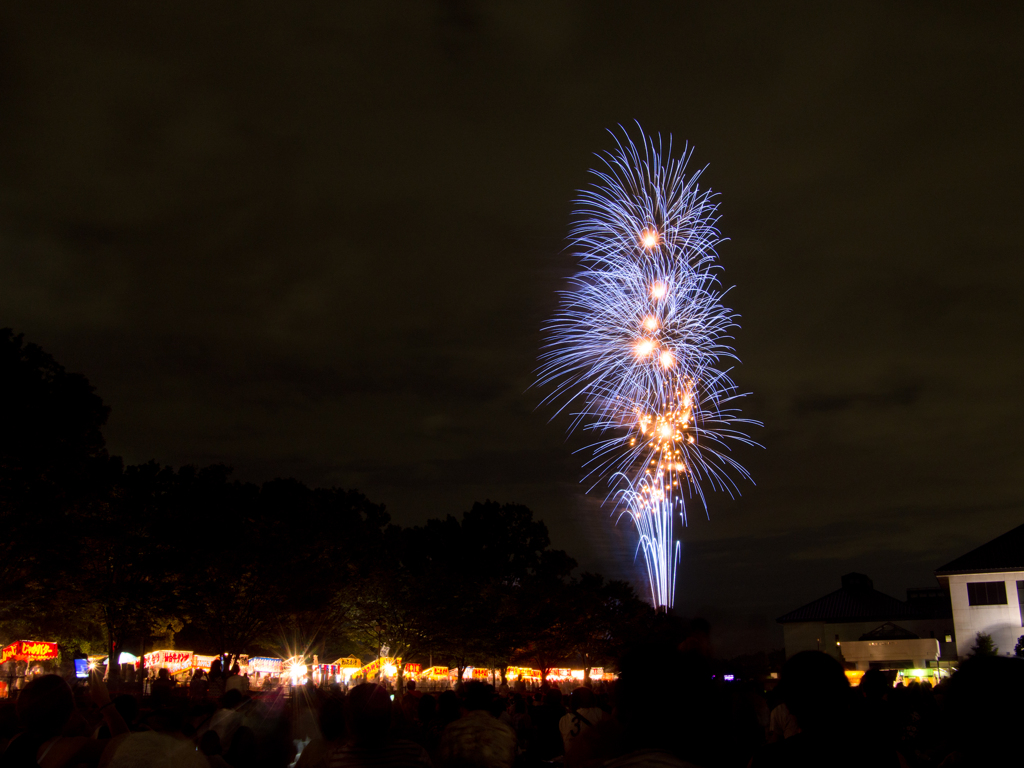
(639, 349)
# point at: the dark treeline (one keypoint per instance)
(102, 556)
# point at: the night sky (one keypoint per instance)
(320, 240)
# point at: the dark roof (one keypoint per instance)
(1003, 553)
(889, 631)
(858, 600)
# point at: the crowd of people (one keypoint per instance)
(665, 710)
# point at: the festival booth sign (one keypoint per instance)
(29, 650)
(435, 673)
(412, 670)
(203, 662)
(173, 661)
(386, 665)
(348, 666)
(481, 673)
(264, 665)
(524, 673)
(325, 673)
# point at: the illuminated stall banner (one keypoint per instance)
(172, 661)
(435, 672)
(201, 662)
(526, 673)
(385, 664)
(29, 650)
(412, 669)
(265, 665)
(480, 673)
(349, 663)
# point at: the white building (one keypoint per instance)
(868, 629)
(986, 589)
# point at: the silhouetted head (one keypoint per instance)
(209, 743)
(411, 685)
(448, 707)
(369, 713)
(427, 709)
(231, 699)
(244, 749)
(874, 685)
(665, 699)
(985, 707)
(45, 705)
(478, 696)
(581, 698)
(332, 719)
(817, 691)
(553, 697)
(127, 707)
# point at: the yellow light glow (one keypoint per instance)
(651, 323)
(665, 431)
(649, 238)
(667, 359)
(644, 347)
(658, 290)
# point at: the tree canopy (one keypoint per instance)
(102, 555)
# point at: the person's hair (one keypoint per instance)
(670, 710)
(581, 698)
(231, 699)
(985, 708)
(209, 743)
(874, 684)
(553, 697)
(127, 706)
(332, 719)
(411, 685)
(369, 712)
(478, 696)
(519, 704)
(43, 708)
(817, 691)
(243, 749)
(427, 709)
(45, 705)
(448, 706)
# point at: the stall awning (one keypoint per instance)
(29, 650)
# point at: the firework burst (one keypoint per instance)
(639, 348)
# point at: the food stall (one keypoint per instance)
(525, 674)
(28, 651)
(348, 666)
(931, 675)
(385, 666)
(434, 675)
(325, 674)
(175, 662)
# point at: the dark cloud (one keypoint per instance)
(321, 240)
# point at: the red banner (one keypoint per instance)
(29, 650)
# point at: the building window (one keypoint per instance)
(986, 592)
(1020, 600)
(949, 638)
